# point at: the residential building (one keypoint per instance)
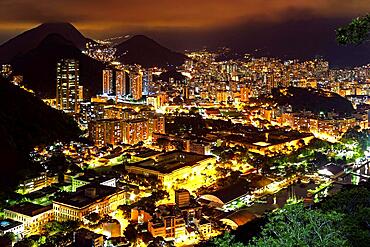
(68, 82)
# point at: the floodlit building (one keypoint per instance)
(106, 131)
(157, 124)
(115, 131)
(107, 81)
(36, 183)
(8, 225)
(87, 199)
(157, 100)
(85, 179)
(172, 165)
(135, 131)
(136, 85)
(31, 215)
(244, 93)
(182, 198)
(120, 83)
(238, 218)
(168, 223)
(68, 82)
(114, 82)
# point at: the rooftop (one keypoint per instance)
(265, 139)
(87, 195)
(147, 153)
(95, 178)
(87, 234)
(240, 217)
(7, 224)
(29, 209)
(243, 186)
(171, 161)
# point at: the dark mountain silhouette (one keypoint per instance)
(148, 53)
(303, 35)
(175, 75)
(38, 66)
(26, 121)
(30, 39)
(309, 99)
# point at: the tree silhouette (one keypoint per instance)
(356, 32)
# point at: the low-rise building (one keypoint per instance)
(167, 223)
(15, 227)
(87, 199)
(84, 237)
(36, 183)
(85, 179)
(182, 198)
(173, 165)
(140, 216)
(32, 216)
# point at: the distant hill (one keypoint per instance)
(38, 66)
(25, 121)
(313, 100)
(175, 75)
(144, 51)
(30, 39)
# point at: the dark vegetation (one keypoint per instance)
(316, 101)
(356, 32)
(175, 75)
(26, 121)
(340, 220)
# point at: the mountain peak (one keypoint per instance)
(145, 51)
(30, 39)
(57, 27)
(141, 37)
(56, 24)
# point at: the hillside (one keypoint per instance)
(148, 53)
(309, 99)
(175, 75)
(25, 121)
(38, 66)
(30, 39)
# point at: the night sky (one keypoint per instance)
(297, 28)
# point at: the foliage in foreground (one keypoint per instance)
(342, 220)
(355, 32)
(294, 225)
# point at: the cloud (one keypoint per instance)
(138, 15)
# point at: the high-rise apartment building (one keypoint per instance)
(136, 85)
(68, 80)
(114, 82)
(107, 81)
(120, 83)
(244, 93)
(147, 79)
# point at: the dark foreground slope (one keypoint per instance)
(25, 121)
(308, 99)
